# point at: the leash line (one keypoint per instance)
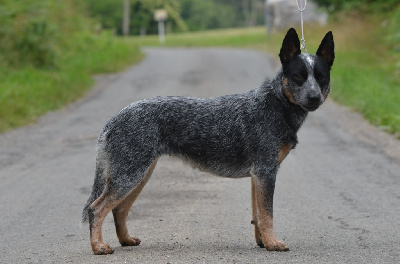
(301, 9)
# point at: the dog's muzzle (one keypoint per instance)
(313, 102)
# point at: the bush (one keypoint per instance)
(49, 50)
(35, 32)
(368, 5)
(26, 37)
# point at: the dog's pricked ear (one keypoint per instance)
(326, 49)
(290, 46)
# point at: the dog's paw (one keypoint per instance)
(276, 246)
(102, 249)
(131, 241)
(260, 243)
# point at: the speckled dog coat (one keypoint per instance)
(234, 136)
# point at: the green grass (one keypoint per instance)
(364, 76)
(27, 93)
(368, 87)
(241, 38)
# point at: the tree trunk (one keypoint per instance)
(126, 18)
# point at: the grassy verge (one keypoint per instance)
(27, 93)
(364, 74)
(238, 37)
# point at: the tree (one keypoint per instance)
(182, 14)
(250, 8)
(207, 14)
(109, 13)
(335, 5)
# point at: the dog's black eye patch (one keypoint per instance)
(300, 78)
(296, 70)
(321, 71)
(319, 76)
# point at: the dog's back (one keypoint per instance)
(217, 135)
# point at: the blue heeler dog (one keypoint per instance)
(240, 135)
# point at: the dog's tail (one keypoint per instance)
(100, 176)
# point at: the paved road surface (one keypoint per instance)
(337, 194)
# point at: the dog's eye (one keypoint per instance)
(297, 77)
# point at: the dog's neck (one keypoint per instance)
(296, 114)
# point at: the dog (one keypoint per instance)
(240, 135)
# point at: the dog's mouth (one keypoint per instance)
(310, 107)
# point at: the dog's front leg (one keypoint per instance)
(257, 233)
(263, 185)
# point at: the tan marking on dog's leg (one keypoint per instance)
(257, 233)
(100, 208)
(120, 212)
(265, 221)
(284, 152)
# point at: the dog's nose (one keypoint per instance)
(314, 99)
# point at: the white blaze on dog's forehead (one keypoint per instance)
(309, 59)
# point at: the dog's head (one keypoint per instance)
(306, 77)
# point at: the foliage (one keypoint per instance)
(35, 32)
(368, 5)
(394, 27)
(27, 93)
(143, 10)
(49, 52)
(207, 14)
(26, 36)
(182, 14)
(109, 13)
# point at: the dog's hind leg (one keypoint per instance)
(97, 211)
(126, 178)
(120, 212)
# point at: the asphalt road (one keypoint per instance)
(337, 195)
